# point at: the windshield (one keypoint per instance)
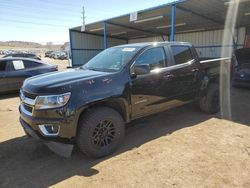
(111, 59)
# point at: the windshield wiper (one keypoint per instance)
(97, 69)
(94, 69)
(82, 67)
(89, 68)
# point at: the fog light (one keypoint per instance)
(49, 130)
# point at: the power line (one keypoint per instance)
(38, 15)
(34, 5)
(57, 8)
(47, 19)
(52, 2)
(26, 15)
(35, 27)
(46, 12)
(33, 23)
(39, 10)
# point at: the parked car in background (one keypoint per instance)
(13, 71)
(52, 55)
(24, 55)
(62, 55)
(241, 76)
(48, 53)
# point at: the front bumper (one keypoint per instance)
(61, 149)
(63, 117)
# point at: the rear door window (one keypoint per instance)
(182, 54)
(3, 65)
(18, 64)
(31, 64)
(15, 65)
(155, 57)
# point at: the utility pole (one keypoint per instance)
(83, 20)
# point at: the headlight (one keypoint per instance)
(52, 101)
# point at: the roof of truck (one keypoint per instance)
(145, 44)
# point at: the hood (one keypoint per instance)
(59, 81)
(243, 55)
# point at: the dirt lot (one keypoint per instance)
(178, 148)
(62, 64)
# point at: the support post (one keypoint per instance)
(105, 35)
(173, 12)
(235, 41)
(71, 48)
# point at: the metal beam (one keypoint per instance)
(173, 12)
(96, 34)
(133, 28)
(200, 15)
(105, 35)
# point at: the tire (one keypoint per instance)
(210, 101)
(100, 132)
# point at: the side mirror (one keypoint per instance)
(142, 69)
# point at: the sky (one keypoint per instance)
(49, 20)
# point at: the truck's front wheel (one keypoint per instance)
(100, 132)
(210, 101)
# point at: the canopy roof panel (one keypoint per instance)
(191, 15)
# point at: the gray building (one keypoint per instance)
(200, 22)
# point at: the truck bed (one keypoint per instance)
(214, 62)
(212, 66)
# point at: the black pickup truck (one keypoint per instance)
(90, 105)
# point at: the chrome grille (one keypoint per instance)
(29, 95)
(27, 102)
(28, 108)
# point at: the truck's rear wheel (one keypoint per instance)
(210, 101)
(100, 132)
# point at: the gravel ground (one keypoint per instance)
(182, 147)
(62, 64)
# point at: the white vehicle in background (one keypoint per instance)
(62, 55)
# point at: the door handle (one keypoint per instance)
(168, 76)
(195, 70)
